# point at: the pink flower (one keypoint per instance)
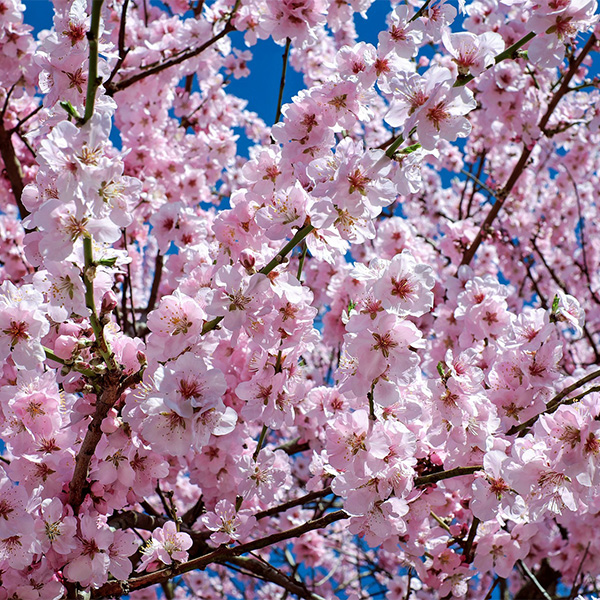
(404, 286)
(473, 53)
(402, 36)
(432, 105)
(22, 325)
(57, 527)
(166, 545)
(175, 324)
(90, 565)
(227, 524)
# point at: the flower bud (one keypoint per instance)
(109, 302)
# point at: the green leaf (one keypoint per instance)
(70, 109)
(409, 149)
(107, 262)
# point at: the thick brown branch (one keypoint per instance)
(158, 267)
(105, 401)
(112, 385)
(117, 588)
(13, 169)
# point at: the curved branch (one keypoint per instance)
(113, 88)
(553, 404)
(117, 588)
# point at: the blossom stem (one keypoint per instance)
(394, 146)
(441, 522)
(88, 280)
(533, 579)
(276, 261)
(420, 11)
(281, 255)
(83, 370)
(301, 261)
(93, 79)
(261, 441)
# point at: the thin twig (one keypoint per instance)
(293, 503)
(279, 258)
(286, 53)
(553, 404)
(534, 580)
(113, 88)
(122, 50)
(470, 539)
(480, 183)
(441, 475)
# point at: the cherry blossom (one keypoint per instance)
(343, 346)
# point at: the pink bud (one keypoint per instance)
(109, 302)
(247, 260)
(64, 346)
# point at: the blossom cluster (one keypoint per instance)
(358, 361)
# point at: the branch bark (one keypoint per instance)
(13, 169)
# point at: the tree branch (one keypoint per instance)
(113, 88)
(13, 168)
(553, 404)
(265, 571)
(286, 53)
(441, 475)
(292, 503)
(275, 262)
(93, 79)
(116, 588)
(503, 194)
(122, 50)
